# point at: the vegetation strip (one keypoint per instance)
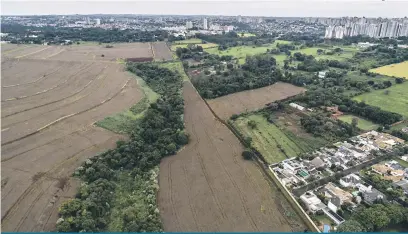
(129, 170)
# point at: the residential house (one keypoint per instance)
(403, 184)
(350, 181)
(322, 74)
(337, 196)
(372, 195)
(388, 172)
(312, 202)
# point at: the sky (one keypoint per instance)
(277, 8)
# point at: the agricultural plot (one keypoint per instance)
(49, 107)
(209, 187)
(176, 67)
(251, 100)
(189, 41)
(84, 52)
(362, 123)
(240, 52)
(161, 51)
(397, 70)
(277, 141)
(394, 99)
(205, 46)
(347, 53)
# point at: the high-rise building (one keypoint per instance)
(205, 24)
(98, 21)
(239, 19)
(189, 25)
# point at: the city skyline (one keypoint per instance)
(288, 8)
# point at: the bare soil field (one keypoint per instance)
(80, 52)
(209, 187)
(161, 51)
(49, 108)
(252, 100)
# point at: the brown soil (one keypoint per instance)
(48, 130)
(208, 187)
(161, 51)
(251, 100)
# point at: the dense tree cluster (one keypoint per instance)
(232, 39)
(159, 133)
(258, 71)
(330, 97)
(381, 55)
(375, 218)
(59, 34)
(322, 126)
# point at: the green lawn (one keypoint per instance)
(395, 101)
(347, 53)
(246, 35)
(356, 76)
(121, 122)
(177, 67)
(271, 141)
(362, 123)
(189, 41)
(205, 46)
(402, 163)
(240, 52)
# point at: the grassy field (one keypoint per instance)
(403, 163)
(177, 67)
(205, 46)
(362, 123)
(348, 52)
(395, 101)
(240, 52)
(121, 122)
(397, 70)
(246, 35)
(189, 41)
(273, 141)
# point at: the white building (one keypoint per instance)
(189, 25)
(312, 202)
(98, 21)
(205, 24)
(296, 106)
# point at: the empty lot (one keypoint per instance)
(208, 187)
(251, 100)
(49, 105)
(161, 51)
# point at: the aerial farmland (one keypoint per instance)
(51, 98)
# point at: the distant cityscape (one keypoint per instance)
(376, 28)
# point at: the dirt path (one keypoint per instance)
(208, 187)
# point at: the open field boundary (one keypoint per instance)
(262, 164)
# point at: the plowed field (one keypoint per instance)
(208, 187)
(251, 100)
(51, 97)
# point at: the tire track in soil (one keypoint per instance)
(203, 168)
(170, 181)
(47, 90)
(62, 99)
(66, 117)
(32, 82)
(36, 184)
(241, 195)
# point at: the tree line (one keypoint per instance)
(159, 133)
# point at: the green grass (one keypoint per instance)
(246, 35)
(362, 123)
(176, 67)
(347, 53)
(395, 101)
(240, 52)
(122, 122)
(402, 163)
(189, 41)
(356, 76)
(273, 142)
(205, 46)
(397, 70)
